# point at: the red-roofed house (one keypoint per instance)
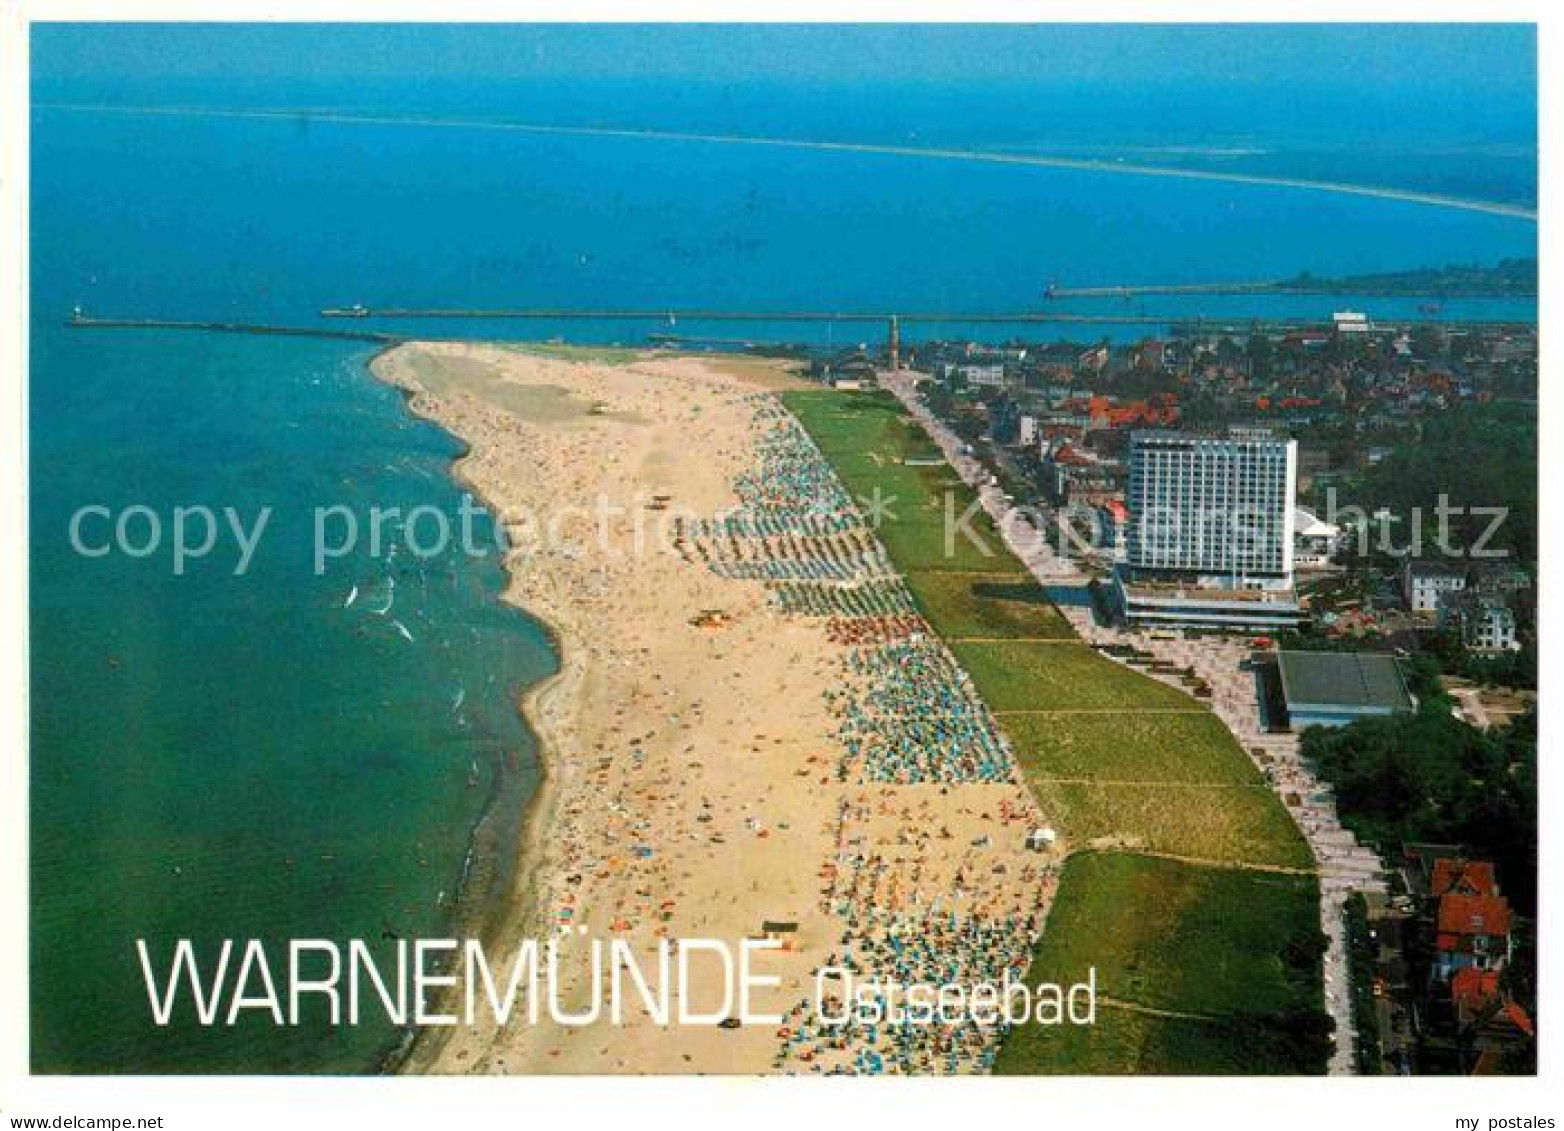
(1491, 1023)
(1473, 931)
(1463, 877)
(1472, 987)
(1068, 453)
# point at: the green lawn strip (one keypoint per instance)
(1239, 947)
(963, 605)
(1239, 826)
(1129, 747)
(927, 509)
(1164, 783)
(919, 546)
(859, 422)
(1123, 1043)
(1021, 676)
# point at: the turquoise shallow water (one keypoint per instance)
(216, 756)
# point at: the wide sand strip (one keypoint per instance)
(698, 781)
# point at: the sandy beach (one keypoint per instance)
(750, 723)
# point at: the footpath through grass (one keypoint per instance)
(1225, 947)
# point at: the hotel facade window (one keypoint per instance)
(1215, 508)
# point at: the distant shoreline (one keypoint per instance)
(1080, 164)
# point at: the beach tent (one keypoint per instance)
(1040, 839)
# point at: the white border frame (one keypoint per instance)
(245, 1102)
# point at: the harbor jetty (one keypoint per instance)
(81, 321)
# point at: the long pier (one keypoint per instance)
(672, 316)
(85, 322)
(1281, 288)
(1135, 290)
(1176, 324)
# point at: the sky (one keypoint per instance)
(1317, 56)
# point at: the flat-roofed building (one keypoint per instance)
(1332, 689)
(1151, 604)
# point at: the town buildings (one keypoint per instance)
(1473, 920)
(1458, 984)
(1315, 541)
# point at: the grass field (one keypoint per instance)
(1027, 676)
(1226, 825)
(1236, 951)
(1167, 783)
(1125, 1043)
(1208, 941)
(868, 440)
(1183, 748)
(1132, 763)
(988, 605)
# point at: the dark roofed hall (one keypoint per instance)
(1335, 688)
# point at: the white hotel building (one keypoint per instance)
(1210, 539)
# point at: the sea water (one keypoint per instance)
(282, 754)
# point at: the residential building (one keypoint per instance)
(1456, 875)
(1094, 359)
(1472, 920)
(1314, 540)
(1502, 577)
(1486, 623)
(1113, 526)
(1072, 474)
(1424, 583)
(990, 376)
(1494, 1029)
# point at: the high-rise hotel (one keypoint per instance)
(1210, 530)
